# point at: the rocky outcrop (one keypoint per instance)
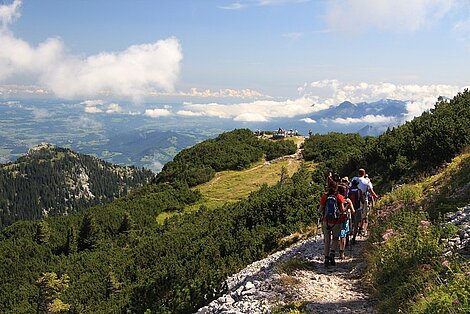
(461, 242)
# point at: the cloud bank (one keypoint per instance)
(314, 97)
(357, 16)
(208, 93)
(242, 4)
(8, 13)
(320, 95)
(133, 72)
(157, 113)
(371, 119)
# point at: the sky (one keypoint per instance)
(246, 60)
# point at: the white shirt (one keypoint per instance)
(364, 184)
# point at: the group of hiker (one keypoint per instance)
(345, 208)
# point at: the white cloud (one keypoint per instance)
(416, 108)
(92, 102)
(260, 3)
(86, 123)
(233, 6)
(41, 113)
(366, 119)
(259, 110)
(114, 108)
(189, 113)
(356, 16)
(251, 117)
(320, 95)
(14, 89)
(92, 109)
(208, 93)
(133, 72)
(308, 120)
(292, 36)
(461, 30)
(419, 97)
(332, 92)
(92, 106)
(8, 13)
(156, 165)
(279, 2)
(158, 112)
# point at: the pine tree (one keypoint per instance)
(284, 176)
(50, 289)
(71, 244)
(113, 286)
(43, 232)
(88, 234)
(127, 223)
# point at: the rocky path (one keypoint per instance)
(296, 277)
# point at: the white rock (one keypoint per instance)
(249, 285)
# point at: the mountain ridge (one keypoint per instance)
(134, 264)
(50, 180)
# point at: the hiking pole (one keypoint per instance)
(349, 235)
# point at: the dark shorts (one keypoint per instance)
(331, 229)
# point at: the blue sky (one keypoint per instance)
(228, 56)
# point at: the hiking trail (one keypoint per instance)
(264, 285)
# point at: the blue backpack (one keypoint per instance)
(331, 208)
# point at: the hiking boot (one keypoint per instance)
(341, 254)
(332, 260)
(327, 261)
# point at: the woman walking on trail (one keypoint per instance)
(346, 225)
(332, 208)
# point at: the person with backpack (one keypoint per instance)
(355, 196)
(365, 186)
(371, 193)
(332, 208)
(349, 211)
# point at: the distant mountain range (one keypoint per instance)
(389, 110)
(365, 118)
(347, 109)
(56, 181)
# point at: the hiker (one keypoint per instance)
(346, 225)
(332, 208)
(355, 196)
(371, 192)
(329, 179)
(345, 182)
(365, 186)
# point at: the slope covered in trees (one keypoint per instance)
(234, 150)
(56, 181)
(402, 153)
(414, 264)
(118, 259)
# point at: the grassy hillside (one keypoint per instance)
(231, 186)
(409, 271)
